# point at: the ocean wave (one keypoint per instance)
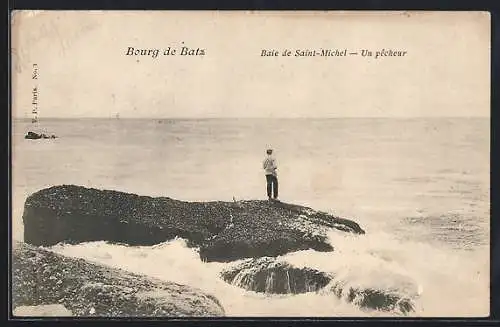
(373, 275)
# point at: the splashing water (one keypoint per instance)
(174, 261)
(416, 275)
(441, 282)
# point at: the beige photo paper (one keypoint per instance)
(250, 164)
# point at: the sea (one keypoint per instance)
(419, 187)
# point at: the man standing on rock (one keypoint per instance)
(270, 167)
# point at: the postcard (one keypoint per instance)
(250, 164)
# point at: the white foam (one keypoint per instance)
(441, 282)
(173, 261)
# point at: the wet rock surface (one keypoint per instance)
(224, 231)
(382, 300)
(41, 278)
(267, 275)
(275, 276)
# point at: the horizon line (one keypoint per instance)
(275, 117)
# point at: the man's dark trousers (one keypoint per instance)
(272, 186)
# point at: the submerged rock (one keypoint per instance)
(273, 276)
(390, 300)
(224, 231)
(41, 277)
(270, 276)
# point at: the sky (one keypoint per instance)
(83, 69)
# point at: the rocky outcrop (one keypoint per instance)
(267, 275)
(275, 276)
(41, 279)
(224, 231)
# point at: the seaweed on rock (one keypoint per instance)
(224, 231)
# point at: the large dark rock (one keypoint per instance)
(41, 277)
(75, 214)
(224, 231)
(267, 275)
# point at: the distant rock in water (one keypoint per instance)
(224, 231)
(41, 278)
(270, 276)
(37, 136)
